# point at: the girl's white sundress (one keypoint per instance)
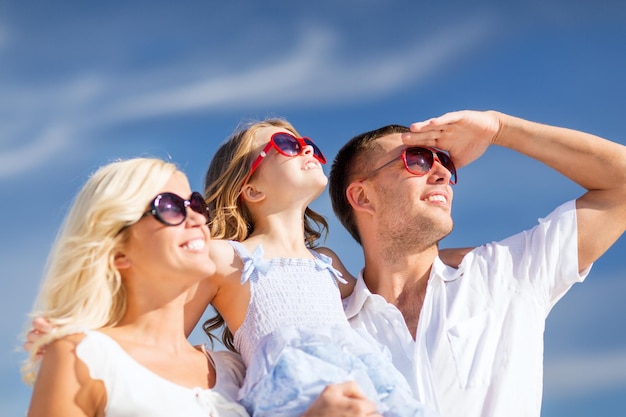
(134, 391)
(296, 340)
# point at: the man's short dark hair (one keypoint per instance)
(353, 161)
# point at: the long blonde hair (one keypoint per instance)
(81, 288)
(231, 219)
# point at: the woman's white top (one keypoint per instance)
(133, 390)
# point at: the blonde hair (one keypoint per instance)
(81, 288)
(231, 219)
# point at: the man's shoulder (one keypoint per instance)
(454, 256)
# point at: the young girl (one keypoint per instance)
(280, 298)
(133, 244)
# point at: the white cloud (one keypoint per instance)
(52, 140)
(575, 375)
(49, 119)
(585, 347)
(315, 70)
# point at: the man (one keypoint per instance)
(469, 339)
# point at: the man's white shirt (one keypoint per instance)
(479, 349)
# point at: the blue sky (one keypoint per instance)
(83, 83)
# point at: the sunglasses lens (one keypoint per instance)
(287, 144)
(445, 160)
(170, 208)
(317, 153)
(197, 204)
(419, 161)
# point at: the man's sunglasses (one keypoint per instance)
(171, 209)
(288, 145)
(419, 161)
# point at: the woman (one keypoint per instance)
(132, 246)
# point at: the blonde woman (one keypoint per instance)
(133, 244)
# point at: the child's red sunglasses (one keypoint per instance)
(288, 145)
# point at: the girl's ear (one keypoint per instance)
(358, 197)
(121, 261)
(251, 194)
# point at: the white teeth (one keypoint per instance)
(438, 198)
(309, 165)
(196, 244)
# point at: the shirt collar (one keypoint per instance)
(354, 303)
(445, 272)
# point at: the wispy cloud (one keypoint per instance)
(574, 375)
(52, 140)
(586, 362)
(314, 70)
(41, 122)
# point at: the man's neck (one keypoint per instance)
(401, 281)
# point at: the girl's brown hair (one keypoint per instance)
(231, 219)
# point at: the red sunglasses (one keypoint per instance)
(288, 145)
(419, 161)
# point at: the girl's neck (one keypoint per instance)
(278, 245)
(279, 238)
(279, 230)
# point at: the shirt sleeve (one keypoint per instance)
(544, 258)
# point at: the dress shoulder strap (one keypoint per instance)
(325, 262)
(251, 262)
(240, 250)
